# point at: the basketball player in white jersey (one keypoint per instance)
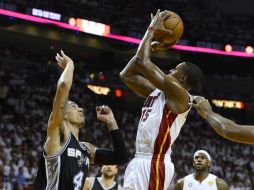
(223, 126)
(163, 114)
(201, 179)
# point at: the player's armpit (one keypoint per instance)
(139, 85)
(221, 184)
(177, 97)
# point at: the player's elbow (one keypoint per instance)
(62, 85)
(125, 78)
(123, 75)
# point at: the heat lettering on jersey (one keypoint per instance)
(147, 107)
(150, 101)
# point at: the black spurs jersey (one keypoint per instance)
(68, 169)
(98, 186)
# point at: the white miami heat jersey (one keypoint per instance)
(190, 183)
(158, 127)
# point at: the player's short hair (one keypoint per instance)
(194, 75)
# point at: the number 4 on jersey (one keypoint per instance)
(77, 180)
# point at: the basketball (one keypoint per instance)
(173, 23)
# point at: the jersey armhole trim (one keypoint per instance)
(60, 152)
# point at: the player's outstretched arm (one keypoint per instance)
(223, 126)
(179, 184)
(221, 184)
(168, 84)
(119, 154)
(60, 101)
(132, 78)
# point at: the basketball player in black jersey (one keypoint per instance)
(66, 159)
(106, 181)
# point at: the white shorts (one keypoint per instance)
(148, 172)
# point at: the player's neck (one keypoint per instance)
(201, 175)
(74, 130)
(107, 182)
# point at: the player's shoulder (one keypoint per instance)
(90, 179)
(221, 184)
(179, 184)
(89, 183)
(91, 149)
(88, 146)
(180, 181)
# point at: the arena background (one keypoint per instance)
(31, 35)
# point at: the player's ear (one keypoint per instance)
(183, 78)
(209, 163)
(65, 116)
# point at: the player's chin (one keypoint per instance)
(82, 123)
(199, 167)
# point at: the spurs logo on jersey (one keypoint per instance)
(72, 152)
(190, 183)
(158, 123)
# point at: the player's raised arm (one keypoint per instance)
(171, 87)
(119, 154)
(60, 101)
(223, 126)
(132, 78)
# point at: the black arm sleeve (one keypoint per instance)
(113, 157)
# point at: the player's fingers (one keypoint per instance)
(108, 109)
(198, 98)
(98, 108)
(193, 105)
(152, 16)
(163, 13)
(167, 31)
(157, 13)
(59, 57)
(62, 53)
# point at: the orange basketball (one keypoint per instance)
(173, 23)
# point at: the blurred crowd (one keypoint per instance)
(27, 86)
(205, 24)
